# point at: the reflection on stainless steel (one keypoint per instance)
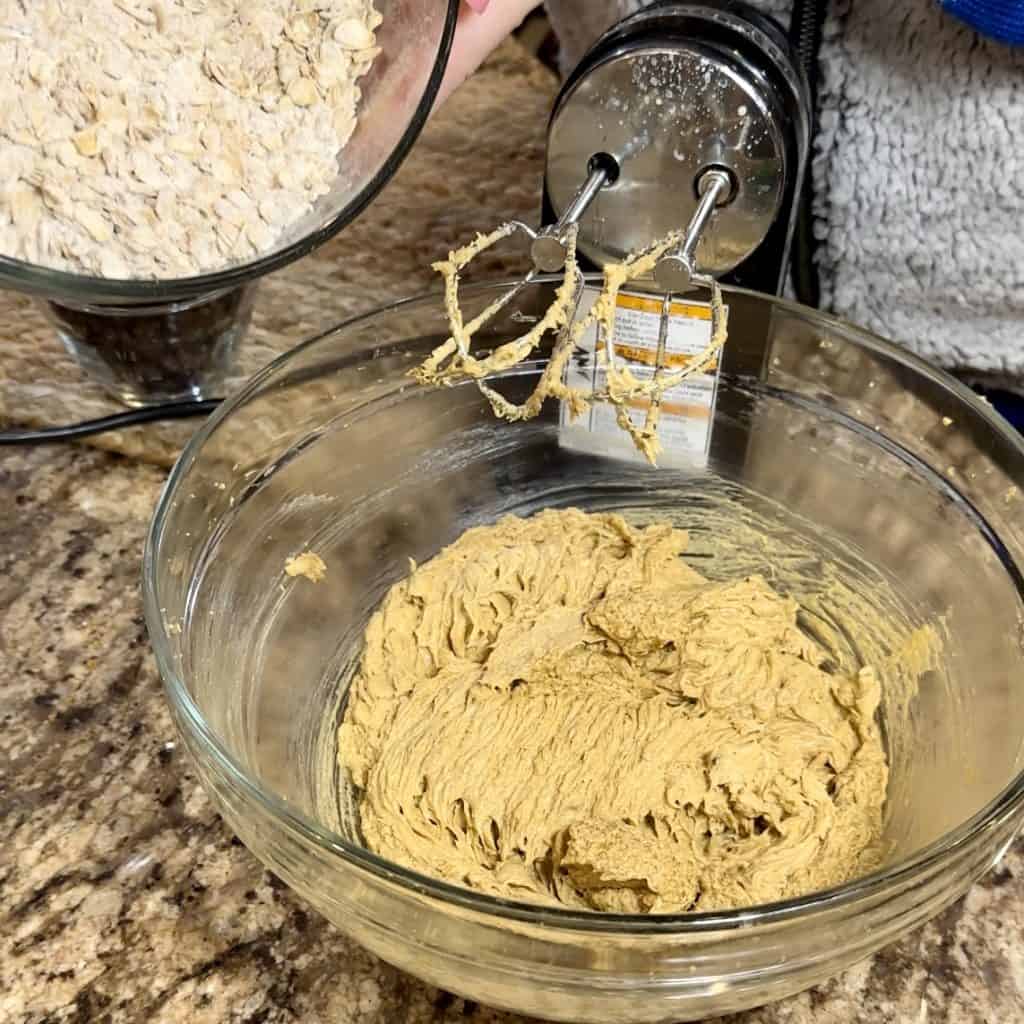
(666, 95)
(665, 115)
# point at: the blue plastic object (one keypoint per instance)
(1009, 406)
(998, 19)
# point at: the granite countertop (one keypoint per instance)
(123, 897)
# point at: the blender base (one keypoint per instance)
(147, 355)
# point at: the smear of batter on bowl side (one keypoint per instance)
(308, 564)
(559, 710)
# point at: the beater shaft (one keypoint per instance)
(675, 271)
(549, 247)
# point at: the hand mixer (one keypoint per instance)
(675, 155)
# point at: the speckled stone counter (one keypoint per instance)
(123, 898)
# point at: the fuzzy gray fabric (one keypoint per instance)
(918, 172)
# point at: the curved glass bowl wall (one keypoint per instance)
(840, 447)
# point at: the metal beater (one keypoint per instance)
(675, 155)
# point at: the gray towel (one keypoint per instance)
(918, 172)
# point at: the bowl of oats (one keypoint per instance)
(158, 156)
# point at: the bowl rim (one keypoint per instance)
(997, 812)
(67, 286)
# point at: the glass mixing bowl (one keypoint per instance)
(856, 477)
(149, 341)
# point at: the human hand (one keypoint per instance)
(483, 24)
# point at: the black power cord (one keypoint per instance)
(805, 32)
(118, 421)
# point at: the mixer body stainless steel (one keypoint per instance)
(671, 102)
(676, 152)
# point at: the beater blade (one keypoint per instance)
(552, 248)
(674, 273)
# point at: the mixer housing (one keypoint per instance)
(662, 100)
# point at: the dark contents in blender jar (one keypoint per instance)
(167, 352)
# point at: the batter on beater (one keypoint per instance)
(452, 361)
(559, 710)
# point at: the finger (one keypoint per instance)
(478, 34)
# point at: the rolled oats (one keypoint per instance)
(163, 138)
